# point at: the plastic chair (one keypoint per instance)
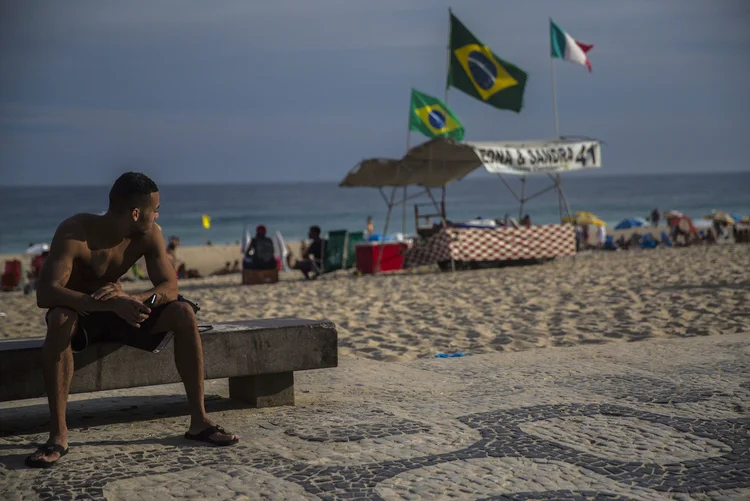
(354, 238)
(334, 248)
(339, 251)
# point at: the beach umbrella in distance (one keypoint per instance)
(631, 222)
(586, 218)
(720, 217)
(684, 223)
(673, 214)
(37, 249)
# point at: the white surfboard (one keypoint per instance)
(283, 252)
(245, 239)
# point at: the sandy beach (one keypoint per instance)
(593, 297)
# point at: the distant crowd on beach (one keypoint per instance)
(261, 253)
(679, 231)
(668, 229)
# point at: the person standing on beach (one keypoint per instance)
(601, 236)
(655, 217)
(78, 286)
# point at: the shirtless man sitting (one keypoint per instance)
(78, 286)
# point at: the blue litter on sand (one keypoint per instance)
(451, 355)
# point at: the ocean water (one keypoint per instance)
(30, 214)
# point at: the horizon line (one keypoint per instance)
(587, 173)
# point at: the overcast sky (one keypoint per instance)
(297, 90)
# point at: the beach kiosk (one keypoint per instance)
(432, 165)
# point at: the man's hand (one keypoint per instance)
(109, 291)
(131, 310)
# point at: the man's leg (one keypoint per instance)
(57, 365)
(179, 318)
(305, 266)
(300, 264)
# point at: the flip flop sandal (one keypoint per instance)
(205, 436)
(46, 449)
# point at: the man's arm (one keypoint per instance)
(160, 271)
(52, 288)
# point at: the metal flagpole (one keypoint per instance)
(554, 97)
(448, 53)
(408, 123)
(403, 215)
(561, 201)
(408, 145)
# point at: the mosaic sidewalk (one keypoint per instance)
(666, 419)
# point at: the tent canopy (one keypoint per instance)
(434, 163)
(441, 161)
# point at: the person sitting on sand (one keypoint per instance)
(183, 272)
(622, 243)
(226, 270)
(77, 285)
(635, 239)
(312, 255)
(260, 252)
(172, 254)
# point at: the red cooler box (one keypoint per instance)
(393, 257)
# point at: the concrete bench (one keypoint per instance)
(258, 356)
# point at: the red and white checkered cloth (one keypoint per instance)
(433, 250)
(501, 244)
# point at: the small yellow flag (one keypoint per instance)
(206, 221)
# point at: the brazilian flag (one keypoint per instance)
(432, 117)
(477, 71)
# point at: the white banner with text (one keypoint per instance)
(538, 158)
